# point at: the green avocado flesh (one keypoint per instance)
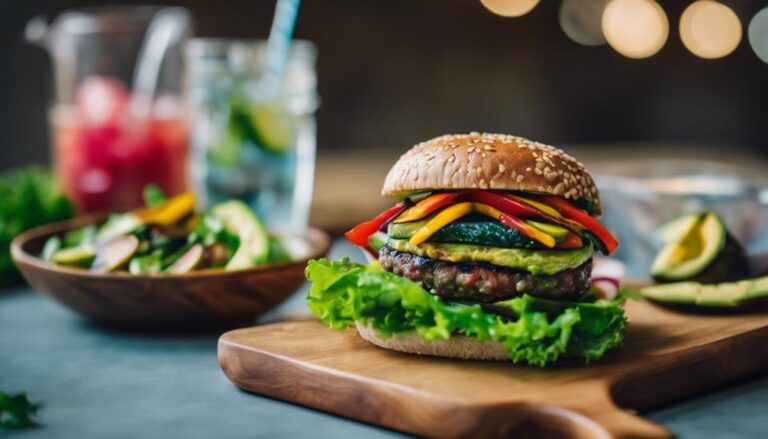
(239, 220)
(691, 243)
(538, 262)
(472, 229)
(727, 294)
(699, 248)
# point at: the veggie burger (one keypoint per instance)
(488, 256)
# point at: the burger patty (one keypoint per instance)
(482, 281)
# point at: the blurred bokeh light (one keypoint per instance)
(710, 29)
(580, 20)
(758, 34)
(509, 8)
(635, 28)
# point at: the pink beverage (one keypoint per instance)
(105, 156)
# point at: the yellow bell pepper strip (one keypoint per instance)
(541, 207)
(487, 210)
(572, 212)
(549, 213)
(442, 219)
(361, 233)
(527, 230)
(427, 206)
(516, 223)
(456, 211)
(170, 212)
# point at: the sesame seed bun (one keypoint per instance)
(457, 346)
(491, 161)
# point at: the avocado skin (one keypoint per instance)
(731, 264)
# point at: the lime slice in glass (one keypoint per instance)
(274, 127)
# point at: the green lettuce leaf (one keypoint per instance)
(543, 331)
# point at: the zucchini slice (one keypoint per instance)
(472, 229)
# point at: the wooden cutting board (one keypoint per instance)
(666, 357)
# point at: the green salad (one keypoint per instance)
(29, 199)
(170, 236)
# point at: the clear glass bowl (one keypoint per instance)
(640, 196)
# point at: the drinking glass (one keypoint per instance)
(109, 139)
(249, 143)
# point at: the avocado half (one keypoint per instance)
(723, 295)
(699, 248)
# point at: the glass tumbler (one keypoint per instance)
(251, 145)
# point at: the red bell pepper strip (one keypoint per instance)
(360, 234)
(427, 206)
(521, 208)
(570, 211)
(527, 230)
(516, 223)
(503, 203)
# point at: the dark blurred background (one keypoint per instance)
(394, 72)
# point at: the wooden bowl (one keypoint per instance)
(199, 299)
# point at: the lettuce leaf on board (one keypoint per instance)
(343, 292)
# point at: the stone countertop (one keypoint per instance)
(96, 383)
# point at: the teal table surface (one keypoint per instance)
(96, 383)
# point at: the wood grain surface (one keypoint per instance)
(666, 357)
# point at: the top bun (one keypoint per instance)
(491, 161)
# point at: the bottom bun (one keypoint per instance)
(459, 346)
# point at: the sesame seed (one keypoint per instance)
(501, 168)
(527, 169)
(519, 179)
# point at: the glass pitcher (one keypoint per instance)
(117, 117)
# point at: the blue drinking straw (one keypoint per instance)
(278, 46)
